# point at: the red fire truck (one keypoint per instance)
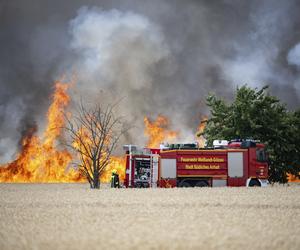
(234, 163)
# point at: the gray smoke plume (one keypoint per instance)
(160, 56)
(116, 50)
(123, 52)
(293, 56)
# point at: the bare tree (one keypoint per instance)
(94, 133)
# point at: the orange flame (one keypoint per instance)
(292, 178)
(117, 163)
(201, 127)
(40, 160)
(158, 131)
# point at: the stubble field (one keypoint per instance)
(71, 216)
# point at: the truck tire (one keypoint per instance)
(184, 184)
(254, 183)
(201, 184)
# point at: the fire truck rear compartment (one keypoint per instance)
(142, 173)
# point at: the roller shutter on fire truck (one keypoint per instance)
(168, 168)
(154, 172)
(235, 164)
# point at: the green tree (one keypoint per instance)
(254, 114)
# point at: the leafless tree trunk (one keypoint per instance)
(94, 133)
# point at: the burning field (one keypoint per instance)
(161, 70)
(71, 216)
(158, 60)
(44, 158)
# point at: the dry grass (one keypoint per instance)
(70, 216)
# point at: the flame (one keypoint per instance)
(40, 160)
(292, 178)
(158, 131)
(117, 163)
(201, 127)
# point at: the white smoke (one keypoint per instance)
(257, 51)
(116, 48)
(12, 113)
(293, 56)
(119, 52)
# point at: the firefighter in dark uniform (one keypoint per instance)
(115, 179)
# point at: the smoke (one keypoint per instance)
(117, 49)
(293, 56)
(120, 52)
(259, 57)
(159, 57)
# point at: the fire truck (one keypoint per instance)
(234, 163)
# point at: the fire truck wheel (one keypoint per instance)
(254, 183)
(184, 184)
(201, 184)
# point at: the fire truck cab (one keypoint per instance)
(237, 163)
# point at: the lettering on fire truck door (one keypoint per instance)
(168, 168)
(235, 164)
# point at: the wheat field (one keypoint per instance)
(71, 216)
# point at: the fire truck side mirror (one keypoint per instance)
(267, 156)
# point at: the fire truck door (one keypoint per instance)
(235, 164)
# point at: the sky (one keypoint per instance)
(159, 57)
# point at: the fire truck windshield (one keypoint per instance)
(261, 155)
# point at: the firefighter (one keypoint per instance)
(115, 179)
